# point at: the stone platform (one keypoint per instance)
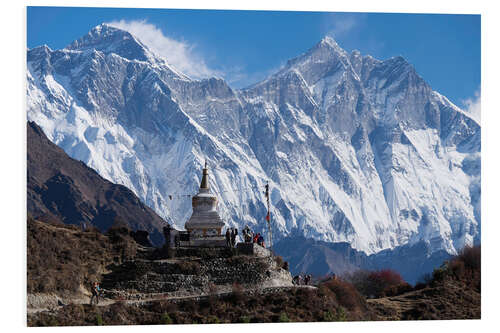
(253, 249)
(213, 241)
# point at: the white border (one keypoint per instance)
(13, 170)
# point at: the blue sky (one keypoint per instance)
(246, 46)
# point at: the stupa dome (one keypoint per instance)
(205, 220)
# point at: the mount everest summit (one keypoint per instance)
(355, 149)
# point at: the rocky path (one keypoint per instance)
(144, 298)
(393, 308)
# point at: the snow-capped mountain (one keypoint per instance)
(355, 149)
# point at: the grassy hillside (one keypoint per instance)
(61, 258)
(453, 291)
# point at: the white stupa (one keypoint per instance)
(205, 225)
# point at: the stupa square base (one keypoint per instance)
(205, 242)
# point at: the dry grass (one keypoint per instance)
(452, 292)
(334, 301)
(62, 257)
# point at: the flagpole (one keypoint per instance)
(268, 217)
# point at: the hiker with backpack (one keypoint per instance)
(96, 290)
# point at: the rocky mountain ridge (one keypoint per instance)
(356, 149)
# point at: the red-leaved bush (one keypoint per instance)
(381, 283)
(386, 277)
(345, 293)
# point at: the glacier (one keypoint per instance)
(355, 149)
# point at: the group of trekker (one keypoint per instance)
(251, 237)
(302, 279)
(248, 236)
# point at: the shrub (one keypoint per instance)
(465, 267)
(341, 314)
(98, 319)
(439, 274)
(283, 318)
(279, 261)
(423, 281)
(471, 257)
(328, 316)
(245, 319)
(213, 320)
(360, 280)
(346, 293)
(397, 289)
(457, 268)
(165, 319)
(378, 283)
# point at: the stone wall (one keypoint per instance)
(253, 249)
(200, 273)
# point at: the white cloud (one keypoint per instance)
(473, 106)
(180, 54)
(341, 24)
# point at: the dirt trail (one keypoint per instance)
(394, 308)
(162, 297)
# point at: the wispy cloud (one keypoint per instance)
(340, 25)
(180, 54)
(473, 105)
(352, 31)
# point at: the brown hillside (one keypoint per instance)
(65, 189)
(62, 258)
(453, 292)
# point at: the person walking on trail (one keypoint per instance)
(233, 237)
(228, 238)
(96, 289)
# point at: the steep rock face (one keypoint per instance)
(68, 190)
(356, 149)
